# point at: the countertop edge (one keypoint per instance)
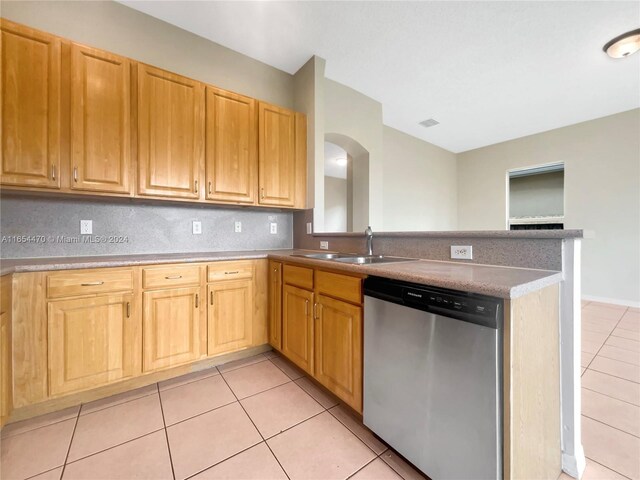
(462, 284)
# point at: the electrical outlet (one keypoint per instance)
(196, 227)
(324, 245)
(273, 228)
(309, 228)
(238, 227)
(86, 227)
(462, 252)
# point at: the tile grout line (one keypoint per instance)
(75, 426)
(114, 405)
(114, 446)
(186, 383)
(611, 426)
(609, 396)
(603, 343)
(166, 433)
(223, 460)
(611, 375)
(617, 359)
(363, 467)
(608, 468)
(354, 433)
(255, 426)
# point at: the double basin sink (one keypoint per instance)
(353, 259)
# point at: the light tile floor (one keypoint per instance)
(257, 418)
(610, 391)
(261, 418)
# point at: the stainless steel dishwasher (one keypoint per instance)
(432, 377)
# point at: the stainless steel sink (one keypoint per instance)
(323, 256)
(369, 259)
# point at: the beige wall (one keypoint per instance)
(420, 184)
(119, 29)
(335, 204)
(602, 194)
(352, 114)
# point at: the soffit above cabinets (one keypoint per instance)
(488, 71)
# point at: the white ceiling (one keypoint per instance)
(487, 71)
(332, 153)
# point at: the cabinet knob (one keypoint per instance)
(75, 174)
(91, 284)
(128, 309)
(209, 188)
(211, 300)
(262, 193)
(173, 277)
(195, 185)
(53, 172)
(197, 300)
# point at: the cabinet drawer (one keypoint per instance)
(82, 282)
(170, 276)
(229, 270)
(339, 286)
(299, 276)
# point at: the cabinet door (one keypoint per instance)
(174, 328)
(231, 148)
(338, 349)
(5, 367)
(275, 304)
(277, 165)
(100, 114)
(170, 134)
(30, 102)
(230, 316)
(297, 326)
(92, 342)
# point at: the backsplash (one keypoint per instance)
(39, 226)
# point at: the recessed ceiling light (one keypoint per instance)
(623, 45)
(342, 162)
(429, 122)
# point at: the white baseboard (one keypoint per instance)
(574, 465)
(614, 301)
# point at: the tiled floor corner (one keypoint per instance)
(610, 391)
(257, 418)
(262, 418)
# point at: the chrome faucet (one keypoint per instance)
(369, 234)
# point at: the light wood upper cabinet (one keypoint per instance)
(30, 102)
(170, 134)
(277, 156)
(230, 316)
(297, 326)
(338, 349)
(275, 304)
(174, 327)
(92, 342)
(231, 148)
(100, 121)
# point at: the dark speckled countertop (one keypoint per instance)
(502, 282)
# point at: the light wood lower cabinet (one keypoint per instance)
(174, 326)
(275, 304)
(338, 349)
(5, 367)
(317, 316)
(297, 326)
(230, 316)
(92, 342)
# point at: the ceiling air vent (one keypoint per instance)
(429, 122)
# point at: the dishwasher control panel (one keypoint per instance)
(466, 306)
